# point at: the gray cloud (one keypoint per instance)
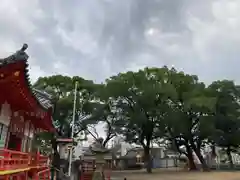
(98, 38)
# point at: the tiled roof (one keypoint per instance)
(44, 99)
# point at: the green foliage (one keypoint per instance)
(141, 98)
(153, 104)
(227, 123)
(62, 88)
(42, 142)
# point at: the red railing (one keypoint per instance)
(38, 160)
(10, 160)
(20, 165)
(42, 160)
(43, 175)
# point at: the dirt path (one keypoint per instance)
(176, 175)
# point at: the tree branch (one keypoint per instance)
(110, 133)
(94, 131)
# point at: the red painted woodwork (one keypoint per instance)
(11, 160)
(43, 175)
(17, 126)
(14, 89)
(37, 165)
(87, 176)
(13, 77)
(39, 160)
(25, 108)
(16, 176)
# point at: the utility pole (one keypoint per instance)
(73, 123)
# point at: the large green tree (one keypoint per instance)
(105, 115)
(227, 122)
(190, 121)
(62, 89)
(142, 101)
(149, 105)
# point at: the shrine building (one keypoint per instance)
(24, 111)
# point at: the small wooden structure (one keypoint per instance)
(25, 111)
(97, 169)
(89, 156)
(64, 145)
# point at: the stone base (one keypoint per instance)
(98, 176)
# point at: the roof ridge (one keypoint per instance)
(17, 56)
(43, 93)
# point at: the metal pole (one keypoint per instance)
(73, 122)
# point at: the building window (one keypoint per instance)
(3, 134)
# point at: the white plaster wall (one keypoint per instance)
(5, 114)
(31, 133)
(28, 132)
(5, 118)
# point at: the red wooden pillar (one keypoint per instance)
(7, 177)
(38, 156)
(25, 176)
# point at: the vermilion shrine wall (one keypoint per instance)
(6, 117)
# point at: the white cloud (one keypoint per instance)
(36, 72)
(95, 39)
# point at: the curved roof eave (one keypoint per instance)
(42, 98)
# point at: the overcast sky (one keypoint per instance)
(98, 38)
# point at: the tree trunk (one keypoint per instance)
(148, 159)
(230, 157)
(191, 164)
(56, 157)
(202, 160)
(197, 150)
(200, 157)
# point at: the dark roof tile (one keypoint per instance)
(43, 98)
